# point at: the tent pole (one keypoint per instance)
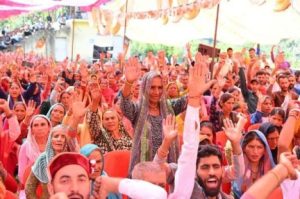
(215, 40)
(125, 23)
(124, 34)
(72, 44)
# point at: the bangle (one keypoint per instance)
(294, 116)
(162, 153)
(276, 176)
(128, 83)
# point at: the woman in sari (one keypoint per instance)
(147, 115)
(258, 161)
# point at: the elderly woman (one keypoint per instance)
(57, 143)
(258, 161)
(147, 115)
(109, 134)
(93, 153)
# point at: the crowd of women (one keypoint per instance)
(72, 106)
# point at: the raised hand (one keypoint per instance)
(242, 122)
(132, 70)
(238, 58)
(197, 77)
(99, 188)
(78, 107)
(4, 105)
(290, 162)
(232, 133)
(30, 108)
(169, 127)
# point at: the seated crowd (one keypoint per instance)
(149, 128)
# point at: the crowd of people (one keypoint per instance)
(190, 132)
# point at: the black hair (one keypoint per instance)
(207, 151)
(228, 49)
(251, 135)
(278, 111)
(224, 98)
(260, 72)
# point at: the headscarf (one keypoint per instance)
(11, 102)
(267, 164)
(39, 169)
(32, 149)
(142, 141)
(87, 149)
(51, 109)
(266, 128)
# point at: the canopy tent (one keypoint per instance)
(240, 21)
(10, 8)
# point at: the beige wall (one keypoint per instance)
(79, 36)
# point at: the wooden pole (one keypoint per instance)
(215, 40)
(124, 34)
(72, 49)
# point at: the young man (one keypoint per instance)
(209, 173)
(69, 173)
(281, 98)
(250, 95)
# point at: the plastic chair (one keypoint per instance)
(276, 194)
(116, 163)
(254, 127)
(221, 138)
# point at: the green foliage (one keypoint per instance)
(289, 46)
(29, 18)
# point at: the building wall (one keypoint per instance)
(77, 37)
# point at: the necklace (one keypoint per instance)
(153, 107)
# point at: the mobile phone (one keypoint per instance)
(27, 64)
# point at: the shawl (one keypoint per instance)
(32, 148)
(142, 140)
(39, 169)
(266, 164)
(51, 109)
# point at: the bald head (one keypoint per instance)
(150, 172)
